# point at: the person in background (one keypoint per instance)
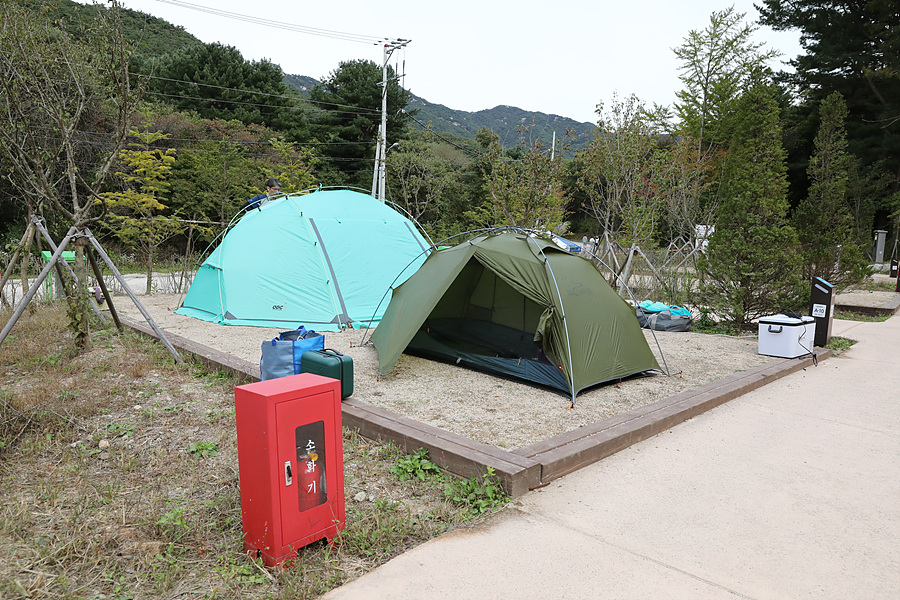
(273, 188)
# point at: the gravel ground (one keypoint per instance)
(489, 409)
(866, 298)
(481, 407)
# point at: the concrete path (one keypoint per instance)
(792, 491)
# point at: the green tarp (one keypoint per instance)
(516, 305)
(322, 259)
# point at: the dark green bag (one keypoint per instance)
(330, 363)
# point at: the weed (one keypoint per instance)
(203, 449)
(141, 518)
(246, 573)
(173, 524)
(876, 285)
(415, 466)
(217, 415)
(120, 430)
(478, 494)
(839, 344)
(377, 532)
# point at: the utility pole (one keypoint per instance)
(378, 175)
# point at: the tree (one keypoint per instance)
(622, 170)
(150, 35)
(211, 179)
(522, 190)
(135, 212)
(715, 62)
(823, 220)
(751, 265)
(219, 165)
(65, 109)
(418, 179)
(348, 115)
(684, 188)
(215, 82)
(852, 47)
(294, 167)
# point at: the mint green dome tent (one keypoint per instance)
(320, 259)
(513, 304)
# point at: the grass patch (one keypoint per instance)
(120, 480)
(477, 495)
(839, 344)
(849, 315)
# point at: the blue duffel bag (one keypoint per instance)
(281, 356)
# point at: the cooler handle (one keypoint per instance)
(780, 328)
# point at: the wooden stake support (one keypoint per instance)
(36, 226)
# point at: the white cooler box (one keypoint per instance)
(786, 337)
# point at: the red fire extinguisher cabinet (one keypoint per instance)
(290, 461)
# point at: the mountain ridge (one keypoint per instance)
(505, 120)
(155, 35)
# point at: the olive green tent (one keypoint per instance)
(515, 304)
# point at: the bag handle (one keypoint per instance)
(333, 352)
(301, 333)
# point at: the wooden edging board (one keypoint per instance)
(530, 466)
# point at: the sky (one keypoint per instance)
(558, 57)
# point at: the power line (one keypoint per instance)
(258, 105)
(360, 110)
(437, 135)
(198, 140)
(349, 37)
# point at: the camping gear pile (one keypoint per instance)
(512, 303)
(663, 317)
(303, 351)
(322, 259)
(282, 355)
